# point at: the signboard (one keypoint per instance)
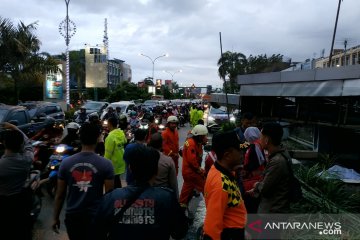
(152, 90)
(95, 67)
(158, 83)
(54, 85)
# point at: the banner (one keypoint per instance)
(54, 85)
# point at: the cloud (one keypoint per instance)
(189, 30)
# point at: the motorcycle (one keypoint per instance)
(42, 152)
(61, 152)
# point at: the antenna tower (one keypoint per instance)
(106, 40)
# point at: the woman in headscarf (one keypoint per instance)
(254, 165)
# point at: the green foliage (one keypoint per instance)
(69, 114)
(263, 64)
(20, 57)
(228, 126)
(128, 91)
(232, 64)
(323, 193)
(102, 94)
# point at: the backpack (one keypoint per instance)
(295, 193)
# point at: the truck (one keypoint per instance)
(19, 116)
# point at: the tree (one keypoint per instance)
(20, 58)
(232, 64)
(262, 64)
(128, 91)
(77, 69)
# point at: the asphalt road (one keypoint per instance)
(42, 227)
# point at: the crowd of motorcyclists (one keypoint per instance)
(52, 143)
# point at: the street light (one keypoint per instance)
(172, 74)
(67, 29)
(153, 61)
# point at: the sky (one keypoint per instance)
(188, 31)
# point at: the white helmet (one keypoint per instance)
(73, 125)
(172, 119)
(199, 130)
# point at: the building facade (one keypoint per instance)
(341, 58)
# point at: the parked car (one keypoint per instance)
(150, 104)
(93, 106)
(39, 111)
(215, 117)
(126, 107)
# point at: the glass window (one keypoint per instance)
(51, 109)
(19, 116)
(353, 59)
(3, 113)
(221, 110)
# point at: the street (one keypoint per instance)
(42, 227)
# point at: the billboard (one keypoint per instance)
(158, 83)
(96, 67)
(54, 84)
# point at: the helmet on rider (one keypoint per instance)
(132, 114)
(172, 119)
(122, 117)
(73, 125)
(82, 109)
(73, 128)
(49, 122)
(93, 117)
(199, 130)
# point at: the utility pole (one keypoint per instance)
(226, 95)
(67, 29)
(333, 39)
(106, 45)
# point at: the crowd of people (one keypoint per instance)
(117, 188)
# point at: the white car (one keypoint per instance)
(216, 117)
(126, 107)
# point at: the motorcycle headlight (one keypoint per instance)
(52, 167)
(105, 122)
(60, 149)
(210, 118)
(161, 126)
(157, 121)
(232, 119)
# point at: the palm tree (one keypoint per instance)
(232, 64)
(20, 57)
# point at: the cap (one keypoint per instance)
(224, 140)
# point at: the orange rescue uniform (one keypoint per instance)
(170, 145)
(193, 175)
(224, 204)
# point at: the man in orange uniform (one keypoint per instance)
(193, 174)
(225, 209)
(170, 137)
